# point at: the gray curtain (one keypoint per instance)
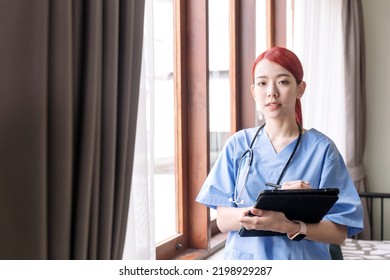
(69, 86)
(355, 98)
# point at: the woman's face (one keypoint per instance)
(275, 90)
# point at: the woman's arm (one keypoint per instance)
(231, 219)
(324, 231)
(327, 232)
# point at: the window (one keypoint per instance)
(201, 55)
(219, 84)
(164, 120)
(261, 37)
(261, 26)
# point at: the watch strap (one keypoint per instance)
(301, 234)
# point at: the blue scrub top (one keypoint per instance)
(317, 160)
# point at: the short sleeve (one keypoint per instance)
(219, 184)
(348, 209)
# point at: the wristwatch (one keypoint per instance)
(300, 234)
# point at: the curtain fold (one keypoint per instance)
(69, 87)
(132, 18)
(355, 94)
(338, 25)
(140, 234)
(317, 40)
(59, 129)
(23, 126)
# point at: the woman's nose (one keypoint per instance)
(273, 92)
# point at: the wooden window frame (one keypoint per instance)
(199, 237)
(276, 23)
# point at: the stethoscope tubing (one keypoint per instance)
(238, 193)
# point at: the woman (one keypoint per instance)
(283, 153)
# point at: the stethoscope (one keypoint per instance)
(248, 157)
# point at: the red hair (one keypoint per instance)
(288, 60)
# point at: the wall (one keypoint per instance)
(377, 154)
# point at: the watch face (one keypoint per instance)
(299, 237)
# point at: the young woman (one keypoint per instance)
(280, 152)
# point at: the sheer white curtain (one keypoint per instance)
(318, 42)
(140, 236)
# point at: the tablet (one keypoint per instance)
(306, 205)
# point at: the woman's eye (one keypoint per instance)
(261, 83)
(284, 82)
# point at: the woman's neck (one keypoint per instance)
(281, 133)
(282, 129)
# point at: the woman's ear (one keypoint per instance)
(253, 91)
(301, 89)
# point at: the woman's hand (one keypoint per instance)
(232, 219)
(272, 220)
(296, 185)
(267, 220)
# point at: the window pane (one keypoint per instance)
(261, 37)
(219, 85)
(289, 23)
(261, 26)
(164, 143)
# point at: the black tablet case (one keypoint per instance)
(306, 205)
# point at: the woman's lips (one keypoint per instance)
(273, 105)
